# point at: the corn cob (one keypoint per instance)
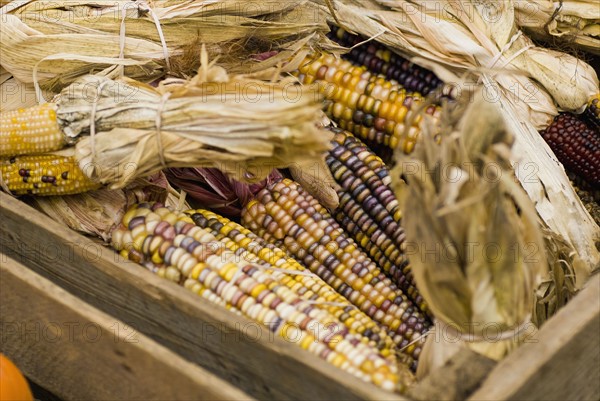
(576, 145)
(31, 130)
(284, 214)
(369, 210)
(44, 175)
(365, 104)
(380, 60)
(191, 256)
(592, 113)
(254, 249)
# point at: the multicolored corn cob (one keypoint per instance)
(171, 245)
(48, 174)
(254, 249)
(369, 210)
(284, 214)
(592, 113)
(370, 106)
(380, 60)
(31, 130)
(576, 145)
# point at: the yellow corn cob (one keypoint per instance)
(253, 248)
(370, 106)
(44, 175)
(191, 256)
(31, 130)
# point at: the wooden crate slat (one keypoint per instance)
(454, 381)
(79, 352)
(236, 349)
(564, 363)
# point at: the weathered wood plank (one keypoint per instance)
(564, 363)
(454, 381)
(78, 352)
(236, 349)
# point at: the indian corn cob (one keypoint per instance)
(45, 174)
(368, 105)
(576, 145)
(592, 113)
(31, 130)
(253, 248)
(380, 60)
(369, 210)
(174, 247)
(285, 214)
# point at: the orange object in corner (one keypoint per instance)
(13, 385)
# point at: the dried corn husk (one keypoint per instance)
(15, 94)
(55, 42)
(98, 213)
(568, 22)
(243, 126)
(568, 274)
(489, 252)
(459, 41)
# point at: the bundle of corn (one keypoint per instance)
(475, 36)
(212, 189)
(55, 42)
(568, 22)
(169, 244)
(464, 200)
(576, 145)
(286, 215)
(125, 129)
(469, 42)
(370, 106)
(369, 210)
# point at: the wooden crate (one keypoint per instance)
(560, 365)
(79, 352)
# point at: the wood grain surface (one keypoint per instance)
(79, 353)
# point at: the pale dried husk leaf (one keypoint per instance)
(316, 178)
(459, 46)
(465, 203)
(245, 127)
(573, 23)
(15, 94)
(63, 40)
(568, 275)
